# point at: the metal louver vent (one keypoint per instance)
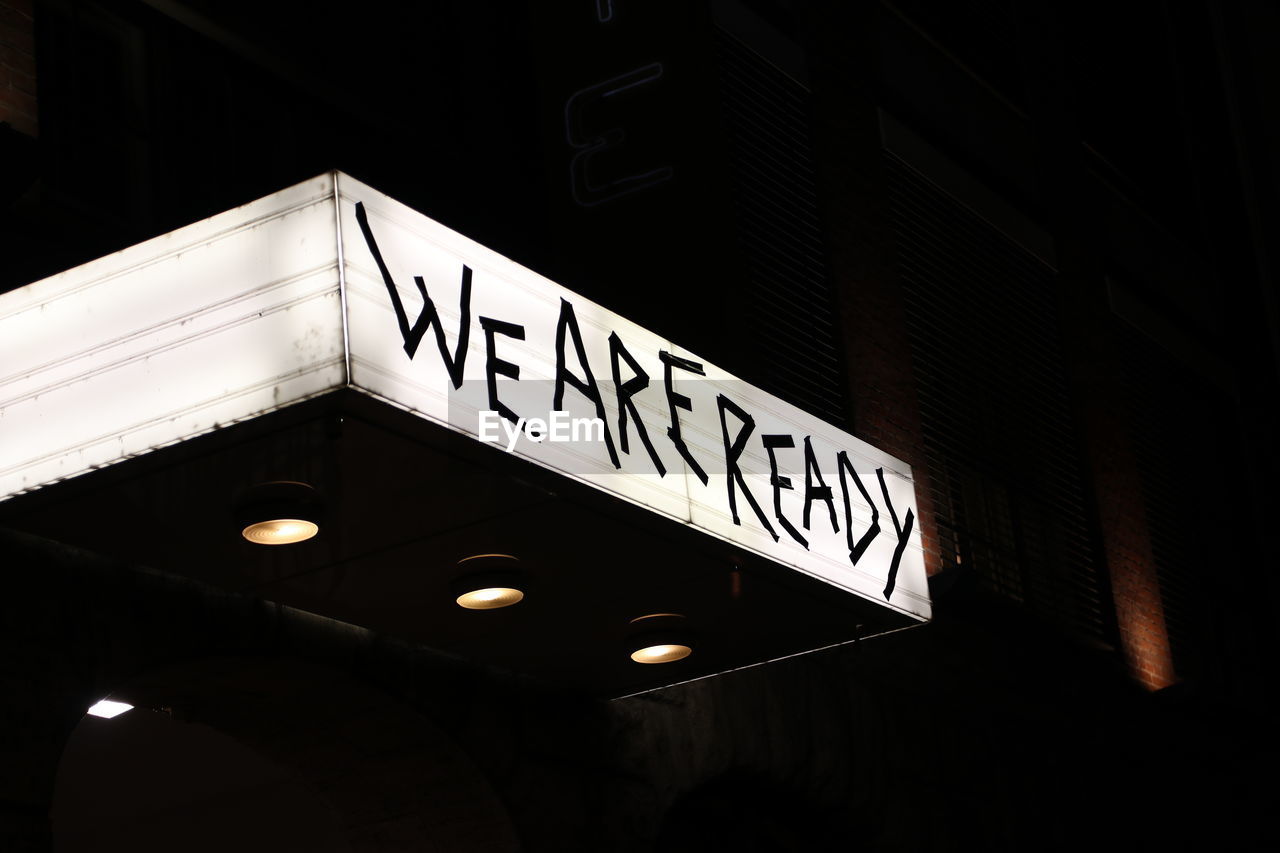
(1001, 448)
(779, 232)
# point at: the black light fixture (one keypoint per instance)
(659, 638)
(281, 512)
(489, 582)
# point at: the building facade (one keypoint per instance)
(1025, 248)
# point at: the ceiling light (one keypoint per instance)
(489, 582)
(108, 709)
(659, 638)
(661, 653)
(490, 598)
(279, 513)
(280, 531)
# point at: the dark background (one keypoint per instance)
(1027, 248)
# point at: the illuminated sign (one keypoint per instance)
(331, 284)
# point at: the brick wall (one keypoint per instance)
(17, 66)
(1135, 588)
(860, 245)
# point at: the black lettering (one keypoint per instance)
(904, 533)
(772, 443)
(856, 550)
(625, 391)
(680, 401)
(820, 492)
(587, 387)
(428, 317)
(495, 366)
(733, 452)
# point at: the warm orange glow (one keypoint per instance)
(490, 598)
(1126, 542)
(280, 531)
(662, 653)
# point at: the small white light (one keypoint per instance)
(108, 709)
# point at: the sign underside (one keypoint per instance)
(447, 402)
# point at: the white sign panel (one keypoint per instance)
(221, 321)
(454, 332)
(330, 284)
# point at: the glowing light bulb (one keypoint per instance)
(661, 653)
(490, 598)
(280, 531)
(490, 581)
(108, 709)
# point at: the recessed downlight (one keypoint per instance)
(489, 582)
(280, 531)
(659, 638)
(282, 512)
(490, 598)
(661, 653)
